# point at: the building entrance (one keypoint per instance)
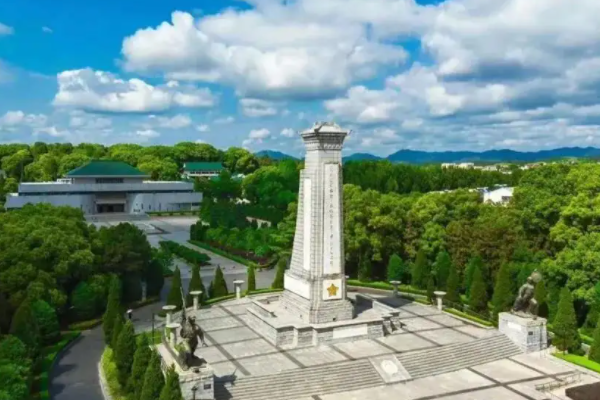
(110, 208)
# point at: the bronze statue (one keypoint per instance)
(190, 332)
(525, 304)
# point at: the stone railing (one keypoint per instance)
(261, 309)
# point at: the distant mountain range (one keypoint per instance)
(437, 157)
(275, 155)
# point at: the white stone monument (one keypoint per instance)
(529, 333)
(314, 284)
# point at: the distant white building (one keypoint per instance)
(499, 196)
(466, 165)
(105, 187)
(202, 169)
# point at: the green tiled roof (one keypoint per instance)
(203, 166)
(106, 168)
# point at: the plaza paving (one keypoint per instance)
(240, 355)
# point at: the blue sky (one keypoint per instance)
(459, 74)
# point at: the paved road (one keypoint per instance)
(75, 375)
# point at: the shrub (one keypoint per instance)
(442, 269)
(84, 302)
(595, 349)
(113, 308)
(111, 375)
(125, 351)
(251, 279)
(474, 263)
(47, 321)
(141, 358)
(478, 300)
(219, 284)
(541, 296)
(397, 269)
(117, 328)
(184, 252)
(431, 289)
(153, 379)
(155, 278)
(24, 327)
(503, 297)
(171, 390)
(566, 336)
(174, 297)
(453, 286)
(420, 271)
(195, 284)
(279, 274)
(13, 351)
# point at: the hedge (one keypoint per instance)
(386, 286)
(185, 252)
(49, 354)
(109, 368)
(220, 252)
(468, 316)
(142, 303)
(586, 339)
(85, 325)
(582, 361)
(171, 213)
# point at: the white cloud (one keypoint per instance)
(6, 30)
(52, 131)
(203, 128)
(224, 120)
(297, 50)
(85, 121)
(147, 133)
(178, 121)
(256, 136)
(288, 132)
(256, 108)
(45, 29)
(102, 91)
(12, 120)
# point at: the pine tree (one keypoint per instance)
(365, 268)
(174, 297)
(566, 336)
(553, 299)
(453, 286)
(219, 284)
(395, 268)
(473, 264)
(211, 290)
(503, 297)
(113, 308)
(478, 299)
(541, 296)
(172, 389)
(117, 328)
(595, 349)
(251, 279)
(420, 271)
(431, 288)
(279, 274)
(25, 328)
(195, 284)
(124, 352)
(442, 269)
(141, 358)
(153, 379)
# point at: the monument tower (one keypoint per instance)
(315, 289)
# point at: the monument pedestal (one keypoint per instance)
(527, 333)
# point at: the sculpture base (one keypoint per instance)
(197, 382)
(527, 333)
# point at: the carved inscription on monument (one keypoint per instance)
(331, 220)
(307, 204)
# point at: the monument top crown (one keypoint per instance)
(324, 135)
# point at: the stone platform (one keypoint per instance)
(268, 316)
(527, 333)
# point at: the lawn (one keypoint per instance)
(582, 361)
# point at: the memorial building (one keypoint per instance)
(105, 187)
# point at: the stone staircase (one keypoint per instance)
(458, 356)
(299, 383)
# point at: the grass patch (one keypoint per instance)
(184, 252)
(111, 375)
(468, 316)
(41, 380)
(152, 340)
(422, 301)
(85, 325)
(386, 286)
(582, 361)
(586, 339)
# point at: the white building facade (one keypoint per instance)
(499, 196)
(103, 188)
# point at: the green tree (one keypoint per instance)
(478, 299)
(124, 352)
(171, 390)
(174, 297)
(503, 297)
(420, 270)
(113, 308)
(431, 288)
(13, 351)
(25, 328)
(195, 284)
(13, 382)
(474, 264)
(566, 336)
(279, 274)
(365, 268)
(541, 296)
(595, 349)
(4, 314)
(453, 286)
(141, 359)
(251, 279)
(117, 328)
(153, 379)
(155, 274)
(442, 268)
(397, 269)
(84, 302)
(219, 284)
(47, 321)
